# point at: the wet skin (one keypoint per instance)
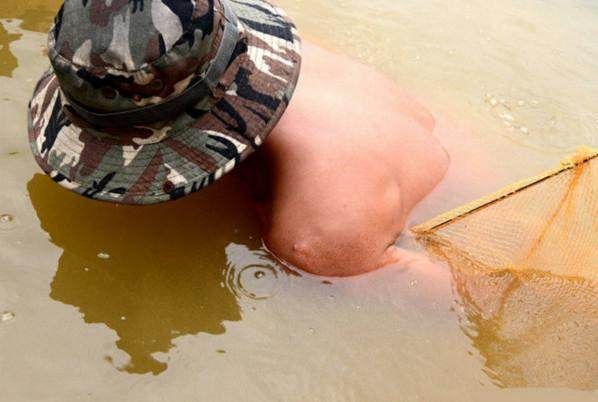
(348, 161)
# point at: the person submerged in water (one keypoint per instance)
(348, 161)
(148, 104)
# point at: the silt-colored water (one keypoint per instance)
(179, 302)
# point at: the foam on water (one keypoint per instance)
(7, 316)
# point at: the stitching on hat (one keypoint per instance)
(190, 182)
(274, 119)
(54, 54)
(158, 196)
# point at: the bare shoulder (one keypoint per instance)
(336, 218)
(348, 160)
(345, 110)
(348, 77)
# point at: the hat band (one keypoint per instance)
(175, 106)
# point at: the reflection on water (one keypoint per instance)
(534, 329)
(8, 62)
(154, 273)
(36, 15)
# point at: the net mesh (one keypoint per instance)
(524, 263)
(547, 223)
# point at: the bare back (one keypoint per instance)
(350, 158)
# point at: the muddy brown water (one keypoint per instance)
(179, 302)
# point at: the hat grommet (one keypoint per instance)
(157, 85)
(109, 92)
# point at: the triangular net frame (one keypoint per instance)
(548, 223)
(524, 263)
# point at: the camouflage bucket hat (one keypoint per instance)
(151, 100)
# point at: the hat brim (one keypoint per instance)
(147, 165)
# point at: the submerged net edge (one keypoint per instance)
(460, 261)
(583, 155)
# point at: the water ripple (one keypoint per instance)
(252, 273)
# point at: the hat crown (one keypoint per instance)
(122, 54)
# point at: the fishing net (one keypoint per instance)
(524, 263)
(546, 223)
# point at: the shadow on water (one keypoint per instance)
(8, 61)
(152, 273)
(533, 329)
(36, 15)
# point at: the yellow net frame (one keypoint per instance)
(583, 155)
(524, 262)
(548, 223)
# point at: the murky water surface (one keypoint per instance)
(180, 301)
